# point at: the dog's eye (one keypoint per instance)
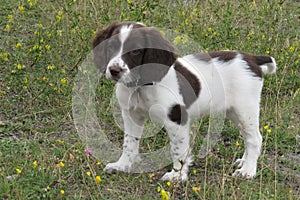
(135, 52)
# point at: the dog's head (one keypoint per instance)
(133, 53)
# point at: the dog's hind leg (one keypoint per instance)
(247, 120)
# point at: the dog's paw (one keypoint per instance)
(239, 163)
(246, 171)
(175, 176)
(117, 167)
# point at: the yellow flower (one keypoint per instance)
(18, 45)
(50, 67)
(164, 195)
(60, 13)
(237, 144)
(184, 39)
(195, 171)
(37, 33)
(169, 183)
(151, 175)
(19, 171)
(30, 3)
(35, 47)
(99, 163)
(7, 27)
(196, 188)
(177, 39)
(40, 25)
(266, 127)
(59, 33)
(98, 179)
(62, 192)
(88, 173)
(59, 141)
(10, 18)
(269, 131)
(35, 164)
(47, 47)
(63, 81)
(158, 189)
(4, 56)
(61, 163)
(21, 8)
(59, 16)
(73, 31)
(20, 67)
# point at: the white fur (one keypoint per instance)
(117, 60)
(269, 68)
(228, 87)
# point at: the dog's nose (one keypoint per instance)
(115, 71)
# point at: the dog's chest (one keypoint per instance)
(144, 98)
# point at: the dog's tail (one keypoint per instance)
(266, 63)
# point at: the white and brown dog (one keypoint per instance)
(153, 81)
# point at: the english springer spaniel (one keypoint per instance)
(152, 81)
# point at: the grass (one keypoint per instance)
(42, 43)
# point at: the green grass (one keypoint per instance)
(36, 81)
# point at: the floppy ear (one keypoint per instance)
(101, 56)
(158, 58)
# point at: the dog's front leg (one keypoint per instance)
(133, 125)
(180, 151)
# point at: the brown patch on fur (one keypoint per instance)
(189, 84)
(254, 62)
(148, 54)
(100, 43)
(224, 56)
(178, 114)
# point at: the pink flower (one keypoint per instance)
(89, 152)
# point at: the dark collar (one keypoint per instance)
(138, 83)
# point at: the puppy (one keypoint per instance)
(153, 81)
